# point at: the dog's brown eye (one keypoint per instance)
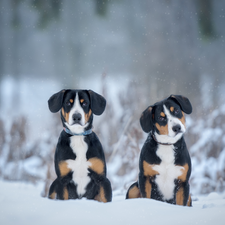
(176, 111)
(161, 118)
(84, 103)
(68, 103)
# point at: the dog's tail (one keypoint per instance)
(52, 189)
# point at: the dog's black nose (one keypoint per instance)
(76, 117)
(176, 128)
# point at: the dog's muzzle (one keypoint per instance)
(177, 129)
(77, 118)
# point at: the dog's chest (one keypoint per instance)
(80, 165)
(167, 170)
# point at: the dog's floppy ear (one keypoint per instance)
(98, 103)
(183, 102)
(56, 100)
(146, 119)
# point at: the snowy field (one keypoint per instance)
(22, 204)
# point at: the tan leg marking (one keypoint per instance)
(134, 193)
(148, 172)
(148, 169)
(183, 176)
(65, 194)
(148, 188)
(53, 195)
(64, 170)
(97, 165)
(180, 197)
(101, 196)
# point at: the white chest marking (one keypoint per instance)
(80, 165)
(168, 172)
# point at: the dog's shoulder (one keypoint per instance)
(148, 151)
(63, 149)
(95, 148)
(182, 155)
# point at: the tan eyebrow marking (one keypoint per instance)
(162, 114)
(71, 100)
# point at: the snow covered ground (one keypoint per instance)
(22, 204)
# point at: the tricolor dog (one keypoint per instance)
(79, 158)
(164, 164)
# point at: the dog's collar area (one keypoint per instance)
(153, 136)
(85, 133)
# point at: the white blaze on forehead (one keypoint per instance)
(76, 128)
(76, 109)
(172, 121)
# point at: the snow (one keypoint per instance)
(121, 134)
(22, 203)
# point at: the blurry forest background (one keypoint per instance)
(132, 52)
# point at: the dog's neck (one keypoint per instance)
(85, 133)
(154, 138)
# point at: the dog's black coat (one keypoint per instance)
(65, 187)
(155, 121)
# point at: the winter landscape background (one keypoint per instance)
(134, 53)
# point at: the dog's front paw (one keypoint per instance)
(96, 177)
(66, 179)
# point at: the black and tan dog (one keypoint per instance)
(164, 164)
(79, 158)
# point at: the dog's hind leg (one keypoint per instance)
(133, 191)
(189, 203)
(145, 186)
(58, 191)
(182, 196)
(103, 184)
(105, 191)
(52, 190)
